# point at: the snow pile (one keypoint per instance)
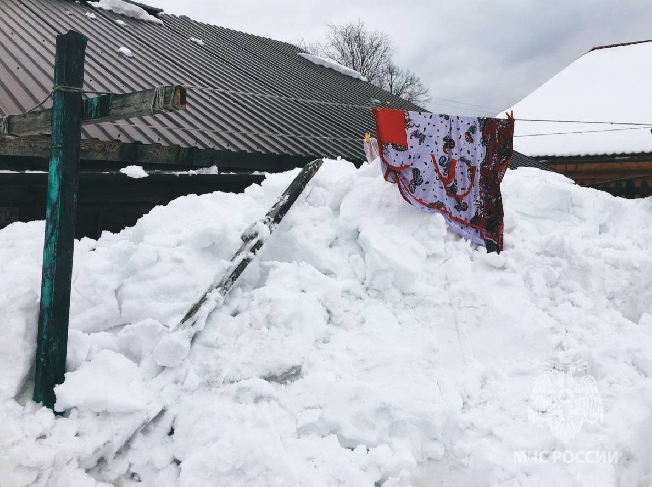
(366, 345)
(127, 9)
(126, 52)
(91, 15)
(135, 172)
(197, 41)
(604, 85)
(329, 63)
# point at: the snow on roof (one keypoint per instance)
(607, 84)
(125, 51)
(127, 9)
(329, 63)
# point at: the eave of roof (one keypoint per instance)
(621, 44)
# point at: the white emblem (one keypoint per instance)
(566, 397)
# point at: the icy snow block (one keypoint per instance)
(138, 341)
(171, 350)
(110, 382)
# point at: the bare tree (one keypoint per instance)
(404, 83)
(369, 53)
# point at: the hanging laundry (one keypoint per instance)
(370, 148)
(450, 164)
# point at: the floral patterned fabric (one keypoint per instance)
(449, 164)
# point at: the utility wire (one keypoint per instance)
(638, 124)
(580, 132)
(489, 109)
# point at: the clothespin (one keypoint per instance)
(374, 103)
(510, 115)
(367, 138)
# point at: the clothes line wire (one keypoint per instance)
(277, 97)
(299, 136)
(638, 124)
(220, 131)
(489, 109)
(332, 103)
(582, 132)
(67, 89)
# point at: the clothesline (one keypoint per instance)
(277, 97)
(240, 132)
(582, 132)
(366, 107)
(300, 136)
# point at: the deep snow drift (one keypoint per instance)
(367, 345)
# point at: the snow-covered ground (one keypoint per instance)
(366, 345)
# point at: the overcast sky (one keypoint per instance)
(489, 53)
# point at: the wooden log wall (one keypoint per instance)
(628, 176)
(109, 200)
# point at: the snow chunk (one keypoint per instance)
(171, 350)
(135, 172)
(91, 15)
(197, 41)
(329, 63)
(110, 382)
(121, 23)
(138, 341)
(127, 53)
(127, 9)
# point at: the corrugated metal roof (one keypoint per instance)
(521, 160)
(284, 103)
(164, 54)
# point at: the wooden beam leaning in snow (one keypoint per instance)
(103, 108)
(173, 348)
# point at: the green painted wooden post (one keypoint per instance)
(52, 341)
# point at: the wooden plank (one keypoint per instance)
(182, 157)
(52, 340)
(104, 108)
(177, 344)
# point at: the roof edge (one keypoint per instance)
(621, 44)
